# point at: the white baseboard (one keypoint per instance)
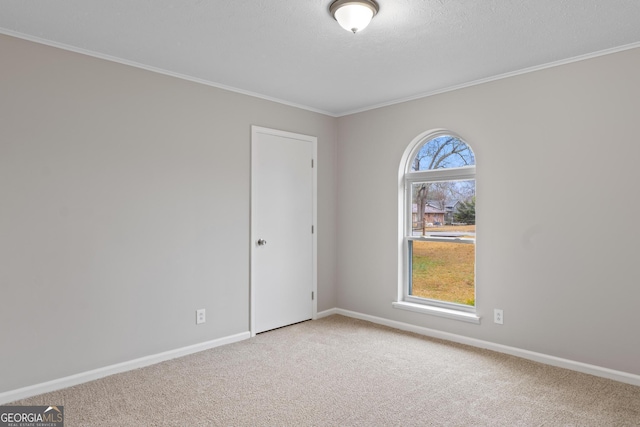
(598, 371)
(326, 313)
(83, 377)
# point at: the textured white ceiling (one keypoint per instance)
(293, 51)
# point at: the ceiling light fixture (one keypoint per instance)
(353, 15)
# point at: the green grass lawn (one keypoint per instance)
(444, 271)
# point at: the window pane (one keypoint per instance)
(443, 271)
(445, 203)
(443, 152)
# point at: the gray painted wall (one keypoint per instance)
(557, 181)
(124, 207)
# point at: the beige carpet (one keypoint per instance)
(339, 371)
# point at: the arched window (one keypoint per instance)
(439, 235)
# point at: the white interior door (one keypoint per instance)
(282, 228)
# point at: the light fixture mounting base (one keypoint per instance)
(371, 4)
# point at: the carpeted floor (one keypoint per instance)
(339, 371)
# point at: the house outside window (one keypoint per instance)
(439, 231)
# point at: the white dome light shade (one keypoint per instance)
(354, 15)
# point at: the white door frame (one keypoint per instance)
(314, 269)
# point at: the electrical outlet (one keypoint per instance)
(200, 316)
(497, 316)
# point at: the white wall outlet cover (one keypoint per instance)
(200, 316)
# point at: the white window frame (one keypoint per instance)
(407, 179)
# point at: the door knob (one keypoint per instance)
(262, 242)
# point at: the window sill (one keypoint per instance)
(438, 311)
